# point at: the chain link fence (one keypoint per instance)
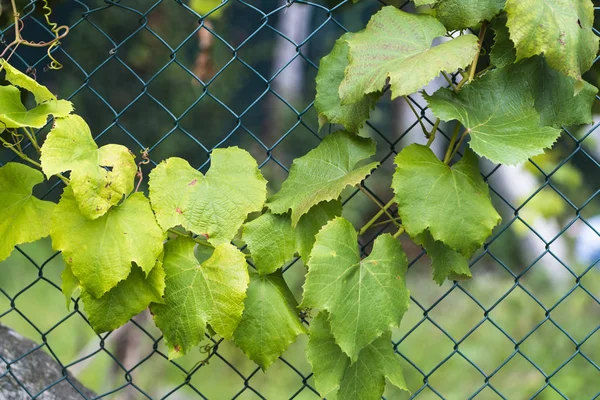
(155, 74)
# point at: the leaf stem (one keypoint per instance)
(479, 46)
(383, 207)
(450, 149)
(31, 136)
(400, 232)
(195, 239)
(376, 217)
(387, 221)
(462, 137)
(452, 85)
(433, 132)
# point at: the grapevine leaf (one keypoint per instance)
(503, 51)
(215, 204)
(553, 93)
(270, 322)
(364, 297)
(419, 3)
(328, 102)
(13, 114)
(559, 29)
(498, 112)
(323, 173)
(17, 78)
(270, 239)
(363, 380)
(197, 294)
(99, 177)
(452, 202)
(70, 284)
(311, 223)
(446, 263)
(461, 14)
(397, 45)
(23, 218)
(126, 300)
(100, 251)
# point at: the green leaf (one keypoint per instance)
(553, 93)
(23, 218)
(397, 46)
(419, 3)
(99, 177)
(503, 51)
(328, 102)
(17, 78)
(323, 173)
(453, 203)
(498, 112)
(446, 263)
(270, 239)
(214, 205)
(70, 284)
(126, 300)
(270, 322)
(461, 14)
(311, 223)
(13, 114)
(559, 29)
(197, 294)
(100, 251)
(364, 297)
(363, 380)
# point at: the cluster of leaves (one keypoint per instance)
(179, 250)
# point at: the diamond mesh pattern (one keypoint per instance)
(155, 74)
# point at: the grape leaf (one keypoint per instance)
(100, 251)
(503, 51)
(364, 297)
(397, 45)
(197, 294)
(323, 173)
(99, 177)
(328, 102)
(419, 3)
(270, 322)
(498, 112)
(23, 218)
(126, 300)
(70, 284)
(17, 78)
(461, 14)
(311, 223)
(363, 380)
(271, 241)
(214, 205)
(13, 114)
(446, 263)
(452, 202)
(559, 29)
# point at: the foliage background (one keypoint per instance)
(129, 69)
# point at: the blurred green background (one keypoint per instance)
(152, 74)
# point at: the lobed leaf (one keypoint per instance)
(462, 14)
(453, 203)
(311, 223)
(361, 380)
(446, 263)
(214, 205)
(17, 78)
(23, 217)
(270, 321)
(197, 294)
(126, 300)
(101, 251)
(559, 29)
(397, 46)
(100, 178)
(327, 101)
(498, 112)
(323, 173)
(13, 114)
(364, 297)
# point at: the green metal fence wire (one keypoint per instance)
(473, 374)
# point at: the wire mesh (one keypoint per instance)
(139, 71)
